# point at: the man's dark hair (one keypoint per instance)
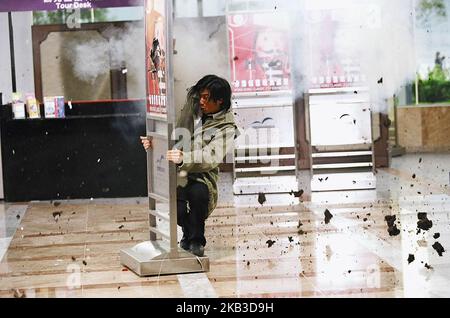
(218, 87)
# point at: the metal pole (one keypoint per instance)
(12, 55)
(171, 121)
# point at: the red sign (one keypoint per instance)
(155, 50)
(259, 52)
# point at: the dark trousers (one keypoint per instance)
(192, 207)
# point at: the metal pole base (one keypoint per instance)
(153, 258)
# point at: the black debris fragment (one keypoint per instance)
(290, 239)
(414, 176)
(392, 228)
(84, 263)
(411, 258)
(261, 198)
(438, 248)
(297, 194)
(380, 81)
(73, 258)
(270, 243)
(121, 227)
(57, 215)
(248, 263)
(423, 223)
(328, 216)
(17, 216)
(428, 266)
(18, 293)
(342, 116)
(420, 160)
(436, 235)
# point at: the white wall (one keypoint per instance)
(22, 22)
(23, 50)
(5, 64)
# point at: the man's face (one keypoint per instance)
(207, 105)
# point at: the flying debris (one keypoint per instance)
(57, 215)
(270, 243)
(392, 228)
(411, 258)
(328, 216)
(18, 293)
(328, 252)
(261, 198)
(423, 223)
(436, 235)
(380, 81)
(290, 239)
(438, 248)
(297, 194)
(344, 116)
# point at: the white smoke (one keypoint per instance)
(375, 36)
(125, 49)
(201, 49)
(88, 59)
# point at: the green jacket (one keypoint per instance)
(205, 147)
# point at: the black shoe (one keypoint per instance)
(184, 244)
(197, 249)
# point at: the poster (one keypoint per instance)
(155, 52)
(334, 35)
(259, 52)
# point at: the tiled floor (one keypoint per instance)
(77, 253)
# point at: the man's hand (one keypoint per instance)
(147, 142)
(176, 156)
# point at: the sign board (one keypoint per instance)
(259, 52)
(156, 54)
(52, 5)
(160, 168)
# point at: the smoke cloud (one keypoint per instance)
(125, 48)
(368, 40)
